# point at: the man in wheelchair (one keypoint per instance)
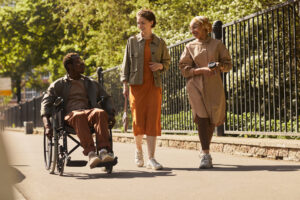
(82, 110)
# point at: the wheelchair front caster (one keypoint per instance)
(109, 169)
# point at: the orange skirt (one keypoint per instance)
(145, 101)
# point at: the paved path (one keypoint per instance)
(233, 177)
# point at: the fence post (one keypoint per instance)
(217, 30)
(34, 112)
(100, 75)
(217, 34)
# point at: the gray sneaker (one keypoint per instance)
(138, 159)
(206, 161)
(104, 156)
(153, 164)
(94, 160)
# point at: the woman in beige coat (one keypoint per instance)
(201, 63)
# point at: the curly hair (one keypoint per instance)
(69, 58)
(203, 21)
(147, 14)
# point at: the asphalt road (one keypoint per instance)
(233, 177)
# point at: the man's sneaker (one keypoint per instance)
(104, 156)
(206, 161)
(94, 160)
(111, 154)
(139, 160)
(153, 164)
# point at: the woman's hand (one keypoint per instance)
(220, 66)
(206, 71)
(125, 90)
(155, 66)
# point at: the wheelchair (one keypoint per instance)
(56, 153)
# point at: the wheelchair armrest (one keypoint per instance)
(58, 101)
(101, 101)
(58, 104)
(106, 105)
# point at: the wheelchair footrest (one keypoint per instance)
(107, 164)
(76, 163)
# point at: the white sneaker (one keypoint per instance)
(139, 160)
(206, 161)
(153, 164)
(94, 160)
(104, 156)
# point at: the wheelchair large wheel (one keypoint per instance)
(50, 154)
(48, 151)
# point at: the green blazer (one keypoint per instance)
(132, 68)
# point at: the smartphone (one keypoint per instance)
(212, 65)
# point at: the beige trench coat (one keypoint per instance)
(206, 93)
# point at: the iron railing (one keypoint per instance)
(262, 89)
(28, 111)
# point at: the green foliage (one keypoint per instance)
(119, 123)
(254, 122)
(174, 16)
(36, 34)
(180, 121)
(264, 75)
(29, 32)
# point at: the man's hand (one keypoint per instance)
(111, 121)
(48, 127)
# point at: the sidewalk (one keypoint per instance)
(17, 194)
(278, 149)
(232, 178)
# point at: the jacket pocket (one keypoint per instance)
(134, 62)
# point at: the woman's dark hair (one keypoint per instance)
(69, 58)
(147, 14)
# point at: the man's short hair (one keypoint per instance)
(69, 59)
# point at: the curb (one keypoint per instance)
(278, 149)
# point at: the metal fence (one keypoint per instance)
(262, 90)
(28, 111)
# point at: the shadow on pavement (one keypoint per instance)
(18, 176)
(278, 168)
(221, 167)
(120, 174)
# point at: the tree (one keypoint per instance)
(29, 33)
(36, 34)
